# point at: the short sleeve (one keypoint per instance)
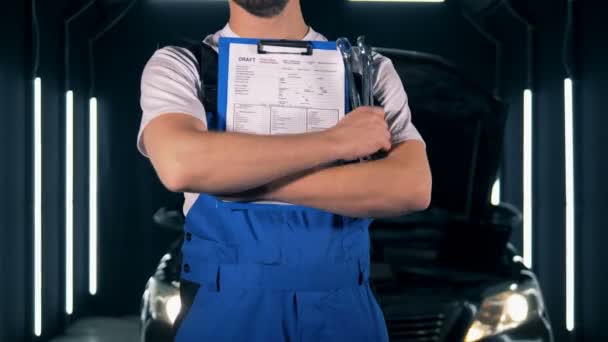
(169, 84)
(389, 91)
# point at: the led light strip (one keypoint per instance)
(527, 180)
(69, 202)
(570, 227)
(93, 196)
(38, 206)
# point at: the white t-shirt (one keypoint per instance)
(170, 84)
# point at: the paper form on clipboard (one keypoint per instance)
(280, 87)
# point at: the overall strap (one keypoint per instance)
(207, 60)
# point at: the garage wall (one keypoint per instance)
(53, 142)
(14, 182)
(16, 175)
(548, 170)
(589, 52)
(591, 82)
(130, 193)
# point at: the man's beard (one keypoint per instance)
(263, 8)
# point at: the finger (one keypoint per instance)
(366, 108)
(388, 146)
(375, 118)
(355, 111)
(378, 111)
(382, 124)
(385, 124)
(387, 142)
(382, 145)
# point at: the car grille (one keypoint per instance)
(412, 321)
(416, 328)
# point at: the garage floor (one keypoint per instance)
(102, 329)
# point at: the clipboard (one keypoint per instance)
(264, 47)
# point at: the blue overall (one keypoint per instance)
(271, 272)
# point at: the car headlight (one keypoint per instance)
(172, 307)
(505, 310)
(164, 299)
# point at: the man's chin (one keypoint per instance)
(263, 8)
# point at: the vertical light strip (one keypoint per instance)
(93, 196)
(569, 156)
(69, 202)
(527, 179)
(496, 192)
(38, 206)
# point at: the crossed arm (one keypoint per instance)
(293, 168)
(396, 185)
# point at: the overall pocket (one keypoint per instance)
(211, 316)
(348, 317)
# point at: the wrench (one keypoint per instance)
(366, 60)
(346, 51)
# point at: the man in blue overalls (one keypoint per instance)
(269, 272)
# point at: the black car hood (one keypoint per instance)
(462, 125)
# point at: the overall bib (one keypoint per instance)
(272, 272)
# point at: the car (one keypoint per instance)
(439, 279)
(448, 273)
(160, 303)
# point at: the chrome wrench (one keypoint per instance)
(367, 70)
(346, 50)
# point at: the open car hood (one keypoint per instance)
(462, 125)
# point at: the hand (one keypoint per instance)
(361, 133)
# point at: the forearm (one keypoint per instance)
(232, 162)
(195, 160)
(387, 187)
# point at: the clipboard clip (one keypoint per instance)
(285, 47)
